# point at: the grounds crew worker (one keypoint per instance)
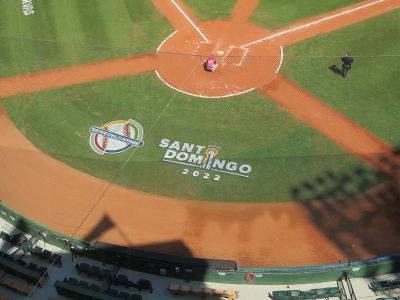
(347, 61)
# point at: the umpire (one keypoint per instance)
(346, 66)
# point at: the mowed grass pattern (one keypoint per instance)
(283, 152)
(210, 9)
(274, 14)
(69, 32)
(370, 94)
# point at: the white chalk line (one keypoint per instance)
(190, 21)
(201, 96)
(197, 166)
(226, 55)
(280, 62)
(243, 56)
(166, 39)
(312, 23)
(245, 50)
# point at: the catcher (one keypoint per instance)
(211, 63)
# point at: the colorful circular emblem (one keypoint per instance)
(116, 136)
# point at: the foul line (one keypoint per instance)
(281, 61)
(166, 39)
(197, 166)
(191, 22)
(201, 96)
(312, 23)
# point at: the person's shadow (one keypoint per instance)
(335, 69)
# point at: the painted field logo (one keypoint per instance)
(202, 157)
(116, 136)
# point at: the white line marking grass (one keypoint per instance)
(201, 96)
(197, 166)
(190, 21)
(179, 163)
(280, 62)
(166, 39)
(312, 23)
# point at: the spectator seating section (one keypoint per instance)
(72, 288)
(322, 293)
(42, 253)
(326, 293)
(15, 285)
(46, 254)
(123, 280)
(4, 236)
(141, 284)
(177, 289)
(385, 286)
(29, 274)
(17, 239)
(92, 270)
(144, 284)
(287, 294)
(5, 297)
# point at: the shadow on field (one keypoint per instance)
(21, 262)
(335, 69)
(366, 220)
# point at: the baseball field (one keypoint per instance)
(107, 113)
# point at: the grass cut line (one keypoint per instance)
(190, 21)
(280, 62)
(312, 23)
(201, 96)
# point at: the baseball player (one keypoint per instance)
(346, 66)
(211, 63)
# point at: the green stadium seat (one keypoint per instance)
(4, 236)
(287, 295)
(380, 286)
(77, 292)
(83, 284)
(308, 295)
(321, 293)
(281, 295)
(334, 292)
(395, 284)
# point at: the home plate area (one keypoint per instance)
(234, 56)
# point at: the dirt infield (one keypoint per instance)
(287, 234)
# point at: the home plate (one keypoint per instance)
(220, 52)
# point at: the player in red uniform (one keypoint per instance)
(211, 63)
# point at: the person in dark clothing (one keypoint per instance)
(346, 66)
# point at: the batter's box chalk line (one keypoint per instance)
(227, 53)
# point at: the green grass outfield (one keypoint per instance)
(69, 32)
(283, 152)
(210, 10)
(269, 13)
(371, 93)
(274, 14)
